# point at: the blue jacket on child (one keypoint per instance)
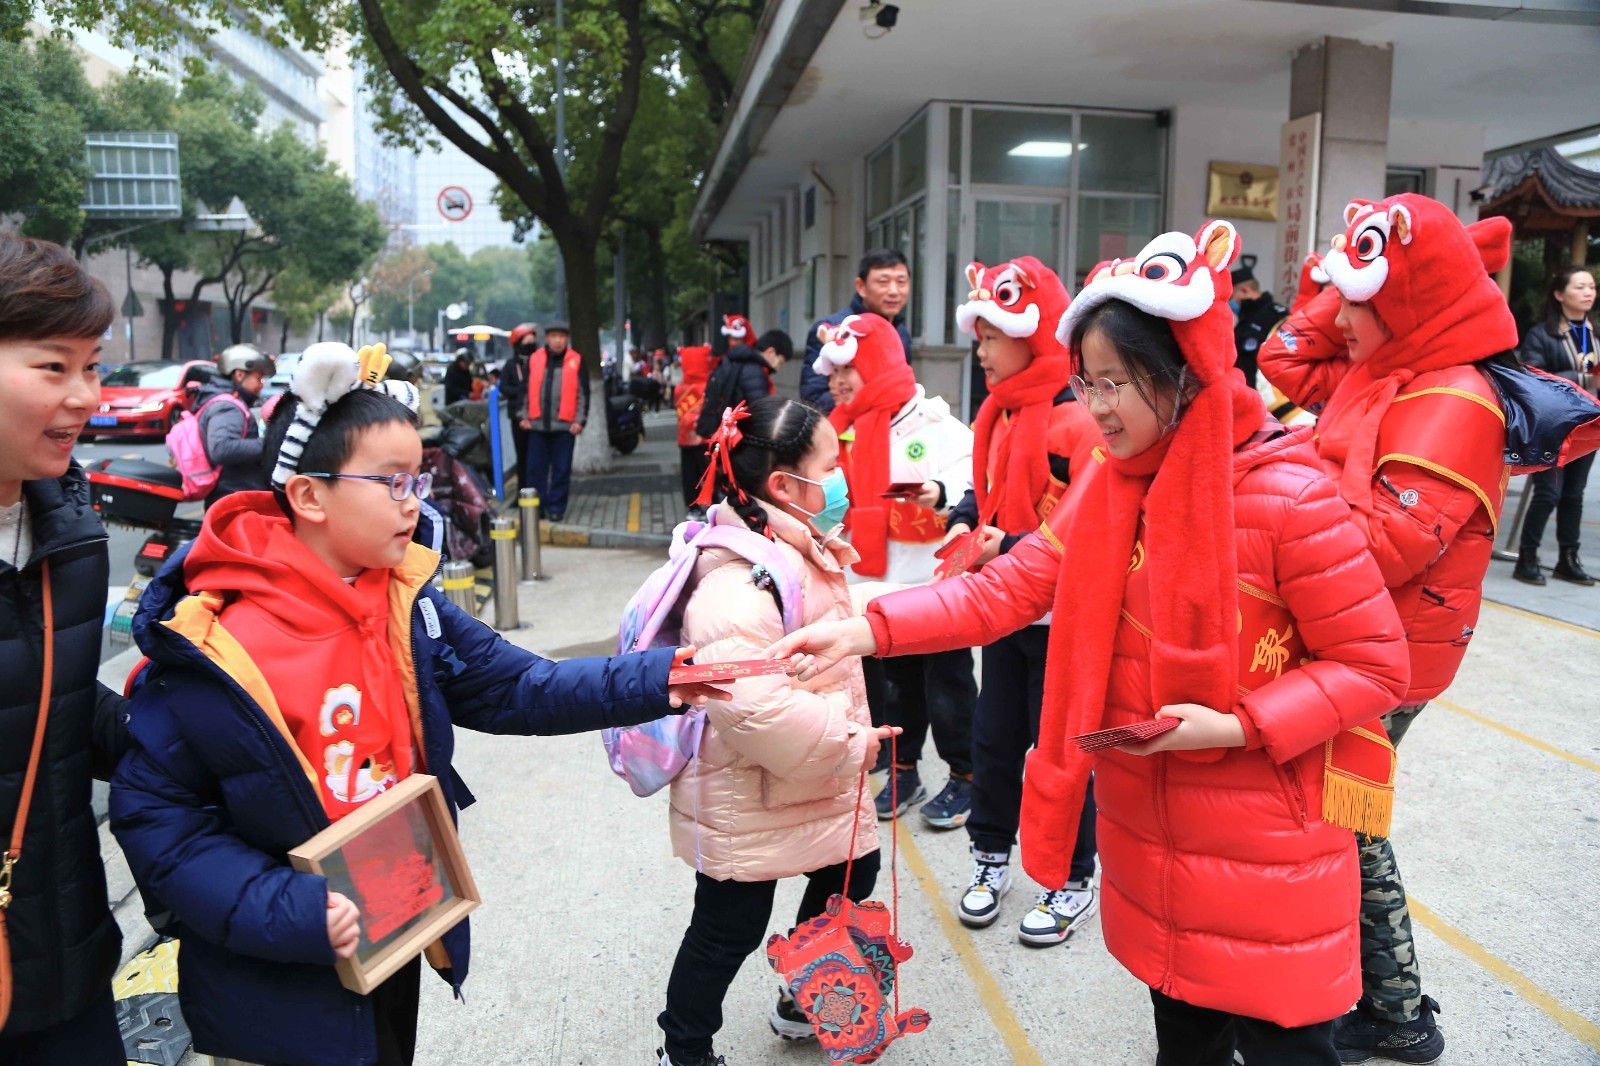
(214, 795)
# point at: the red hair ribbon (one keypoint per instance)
(719, 447)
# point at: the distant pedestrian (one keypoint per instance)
(1563, 344)
(229, 432)
(458, 377)
(556, 412)
(61, 943)
(514, 389)
(1256, 313)
(883, 287)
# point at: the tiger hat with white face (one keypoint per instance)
(1023, 298)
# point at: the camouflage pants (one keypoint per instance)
(1390, 981)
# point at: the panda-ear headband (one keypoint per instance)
(326, 373)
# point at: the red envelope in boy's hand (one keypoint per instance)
(959, 555)
(1125, 734)
(711, 673)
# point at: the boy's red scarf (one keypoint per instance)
(1185, 485)
(571, 367)
(1022, 465)
(871, 411)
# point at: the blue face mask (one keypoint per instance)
(1233, 305)
(835, 500)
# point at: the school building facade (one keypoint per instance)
(1075, 130)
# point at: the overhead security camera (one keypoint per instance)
(882, 15)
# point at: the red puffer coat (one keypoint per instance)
(1222, 887)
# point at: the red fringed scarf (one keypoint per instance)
(571, 367)
(1022, 465)
(871, 411)
(1185, 485)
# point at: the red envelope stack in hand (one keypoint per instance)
(1125, 734)
(959, 555)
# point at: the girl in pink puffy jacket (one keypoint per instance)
(1205, 572)
(776, 788)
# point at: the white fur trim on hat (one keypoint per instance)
(839, 345)
(1017, 325)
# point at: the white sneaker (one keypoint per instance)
(788, 1020)
(991, 880)
(1058, 914)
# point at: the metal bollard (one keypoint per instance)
(503, 531)
(532, 550)
(458, 585)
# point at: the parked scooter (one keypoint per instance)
(144, 495)
(624, 413)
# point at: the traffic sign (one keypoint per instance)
(455, 203)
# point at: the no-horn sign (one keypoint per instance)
(455, 203)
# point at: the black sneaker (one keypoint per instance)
(906, 789)
(1361, 1035)
(788, 1020)
(950, 808)
(711, 1059)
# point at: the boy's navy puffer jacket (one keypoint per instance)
(213, 796)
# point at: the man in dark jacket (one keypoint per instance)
(554, 411)
(458, 377)
(745, 374)
(514, 388)
(64, 943)
(1258, 316)
(883, 286)
(231, 437)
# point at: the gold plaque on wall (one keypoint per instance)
(1242, 190)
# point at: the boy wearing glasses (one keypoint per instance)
(1029, 442)
(301, 665)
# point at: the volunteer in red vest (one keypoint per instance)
(1413, 433)
(556, 412)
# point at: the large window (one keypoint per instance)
(1069, 186)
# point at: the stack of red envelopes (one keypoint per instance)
(1126, 734)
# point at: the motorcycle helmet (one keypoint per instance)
(403, 366)
(246, 357)
(524, 332)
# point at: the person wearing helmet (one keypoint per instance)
(458, 377)
(231, 437)
(514, 389)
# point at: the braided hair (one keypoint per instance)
(779, 432)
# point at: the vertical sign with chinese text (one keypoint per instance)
(1299, 158)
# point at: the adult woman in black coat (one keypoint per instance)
(64, 942)
(1563, 344)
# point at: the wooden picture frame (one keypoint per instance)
(400, 860)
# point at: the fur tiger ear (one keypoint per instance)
(1022, 275)
(1353, 209)
(1219, 244)
(974, 272)
(1400, 223)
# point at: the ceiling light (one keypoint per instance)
(1043, 149)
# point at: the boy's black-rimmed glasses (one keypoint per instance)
(400, 485)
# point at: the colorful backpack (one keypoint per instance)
(649, 756)
(188, 448)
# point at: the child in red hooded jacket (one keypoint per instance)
(1206, 572)
(1031, 438)
(1413, 432)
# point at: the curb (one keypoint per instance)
(562, 536)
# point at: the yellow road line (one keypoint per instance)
(1586, 1031)
(983, 983)
(633, 513)
(1546, 619)
(1515, 735)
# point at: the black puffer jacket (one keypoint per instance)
(743, 376)
(64, 942)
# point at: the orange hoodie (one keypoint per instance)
(322, 645)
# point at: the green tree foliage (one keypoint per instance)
(499, 283)
(43, 171)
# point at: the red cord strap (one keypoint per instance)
(720, 448)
